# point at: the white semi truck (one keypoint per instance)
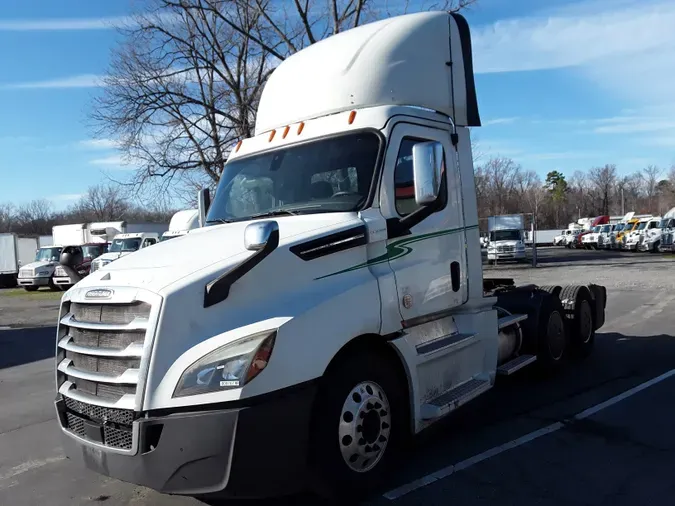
(124, 244)
(506, 239)
(181, 223)
(332, 306)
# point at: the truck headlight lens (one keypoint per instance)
(228, 367)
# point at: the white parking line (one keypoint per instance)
(465, 464)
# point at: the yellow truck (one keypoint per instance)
(628, 227)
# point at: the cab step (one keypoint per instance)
(454, 398)
(515, 364)
(505, 321)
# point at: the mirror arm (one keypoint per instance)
(218, 290)
(398, 227)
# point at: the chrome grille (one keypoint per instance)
(100, 413)
(505, 249)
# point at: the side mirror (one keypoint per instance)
(258, 234)
(428, 162)
(203, 203)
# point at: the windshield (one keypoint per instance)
(664, 223)
(330, 175)
(131, 244)
(93, 251)
(48, 254)
(505, 235)
(642, 225)
(596, 229)
(619, 227)
(606, 228)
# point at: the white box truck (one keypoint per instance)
(506, 238)
(333, 304)
(15, 252)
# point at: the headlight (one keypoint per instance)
(231, 366)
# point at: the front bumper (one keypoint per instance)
(63, 280)
(42, 281)
(258, 450)
(510, 255)
(630, 246)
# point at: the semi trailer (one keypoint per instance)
(331, 306)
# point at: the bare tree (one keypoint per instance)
(651, 178)
(33, 216)
(6, 217)
(603, 180)
(184, 86)
(103, 203)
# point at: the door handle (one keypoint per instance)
(455, 276)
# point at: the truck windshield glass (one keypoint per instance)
(664, 223)
(92, 251)
(48, 254)
(328, 175)
(131, 244)
(505, 235)
(642, 225)
(606, 228)
(597, 229)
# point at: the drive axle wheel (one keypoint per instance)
(360, 422)
(552, 340)
(578, 306)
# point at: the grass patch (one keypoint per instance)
(41, 294)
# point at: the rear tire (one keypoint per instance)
(552, 340)
(360, 423)
(578, 305)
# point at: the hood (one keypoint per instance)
(112, 255)
(39, 265)
(214, 247)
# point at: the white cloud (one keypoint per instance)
(23, 25)
(500, 121)
(114, 162)
(80, 81)
(66, 196)
(626, 48)
(98, 144)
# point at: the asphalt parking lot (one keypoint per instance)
(565, 440)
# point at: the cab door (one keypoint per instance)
(429, 259)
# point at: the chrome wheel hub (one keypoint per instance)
(365, 426)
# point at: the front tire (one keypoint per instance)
(360, 424)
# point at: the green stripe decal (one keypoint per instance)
(399, 249)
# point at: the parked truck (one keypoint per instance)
(40, 271)
(322, 315)
(122, 245)
(181, 223)
(15, 252)
(506, 239)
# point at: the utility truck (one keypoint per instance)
(506, 239)
(332, 305)
(181, 223)
(15, 252)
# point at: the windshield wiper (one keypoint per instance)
(219, 220)
(273, 212)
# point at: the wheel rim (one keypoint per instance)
(585, 321)
(555, 331)
(365, 426)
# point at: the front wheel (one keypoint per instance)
(359, 425)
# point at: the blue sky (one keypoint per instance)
(569, 86)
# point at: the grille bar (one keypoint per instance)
(134, 350)
(128, 377)
(137, 323)
(126, 402)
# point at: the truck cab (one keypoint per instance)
(631, 239)
(333, 304)
(506, 238)
(122, 245)
(39, 272)
(590, 239)
(650, 236)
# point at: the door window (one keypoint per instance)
(404, 184)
